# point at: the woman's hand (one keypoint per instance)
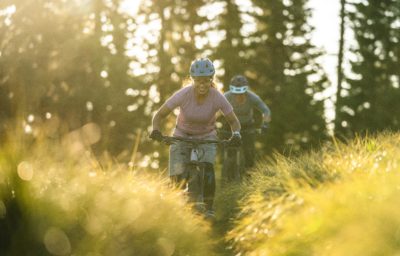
(156, 135)
(235, 140)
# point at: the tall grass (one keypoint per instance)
(56, 198)
(60, 201)
(342, 200)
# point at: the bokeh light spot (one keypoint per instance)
(31, 118)
(89, 106)
(28, 129)
(57, 242)
(25, 171)
(91, 133)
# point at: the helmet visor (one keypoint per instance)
(238, 89)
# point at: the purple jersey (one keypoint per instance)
(197, 119)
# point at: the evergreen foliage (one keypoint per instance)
(65, 64)
(231, 51)
(284, 72)
(372, 91)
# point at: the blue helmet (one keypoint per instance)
(202, 67)
(239, 84)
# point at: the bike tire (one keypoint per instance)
(225, 172)
(232, 167)
(196, 187)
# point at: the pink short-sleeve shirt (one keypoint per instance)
(196, 119)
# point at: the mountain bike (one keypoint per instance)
(194, 173)
(233, 160)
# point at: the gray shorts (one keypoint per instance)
(179, 155)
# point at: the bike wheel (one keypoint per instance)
(238, 165)
(196, 186)
(226, 173)
(231, 170)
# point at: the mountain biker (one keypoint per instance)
(198, 104)
(244, 102)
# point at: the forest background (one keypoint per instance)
(100, 68)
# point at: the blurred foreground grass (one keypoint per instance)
(342, 200)
(58, 201)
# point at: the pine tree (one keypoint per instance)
(231, 51)
(175, 43)
(66, 62)
(287, 75)
(373, 93)
(340, 72)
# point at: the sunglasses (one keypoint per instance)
(202, 80)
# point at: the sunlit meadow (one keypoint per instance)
(59, 200)
(342, 200)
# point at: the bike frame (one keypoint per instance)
(194, 168)
(233, 168)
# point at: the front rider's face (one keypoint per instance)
(202, 84)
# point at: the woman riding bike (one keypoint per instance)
(244, 102)
(198, 103)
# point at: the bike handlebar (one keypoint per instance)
(244, 131)
(172, 139)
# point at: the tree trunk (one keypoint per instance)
(340, 66)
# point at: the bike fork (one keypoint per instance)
(237, 173)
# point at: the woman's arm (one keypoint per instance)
(163, 112)
(262, 107)
(233, 122)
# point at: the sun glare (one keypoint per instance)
(130, 6)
